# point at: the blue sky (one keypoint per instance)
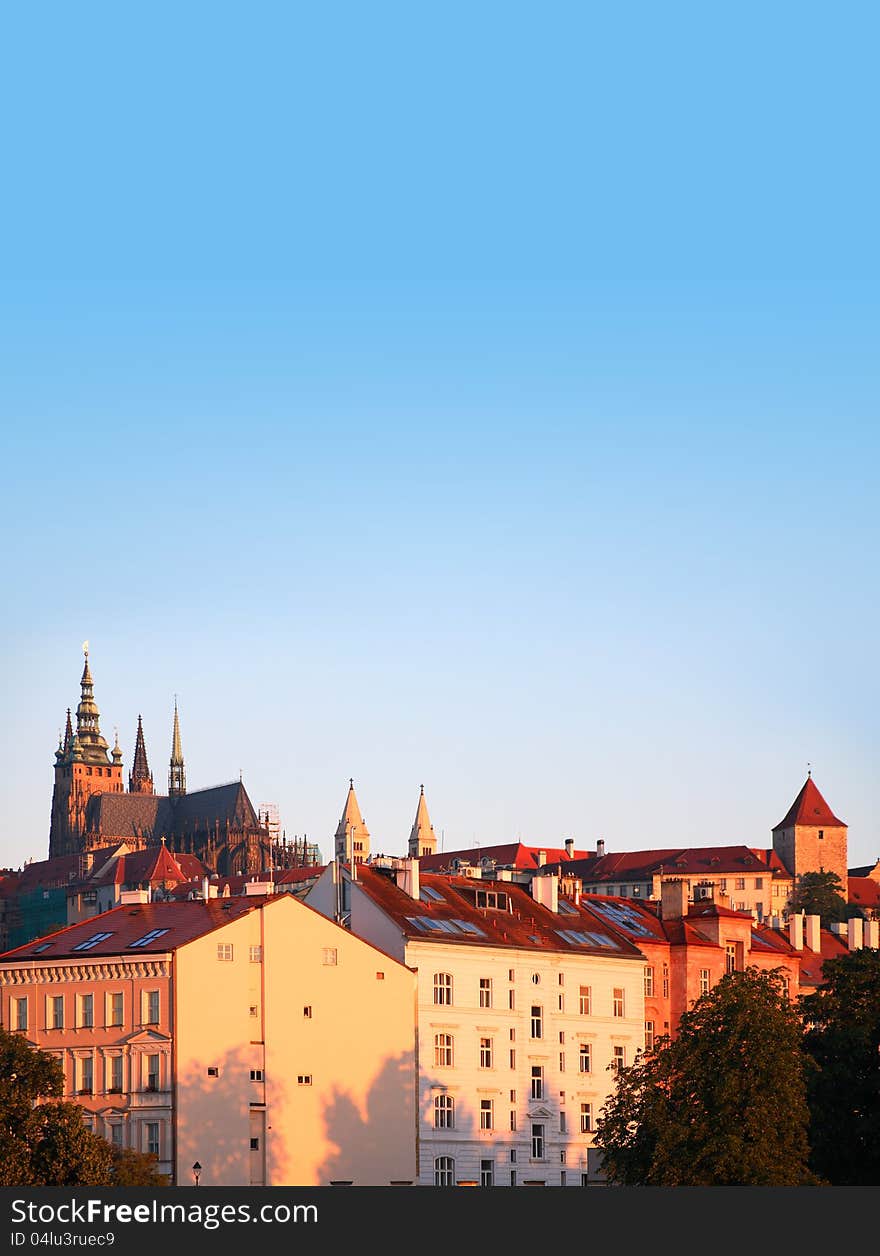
(483, 396)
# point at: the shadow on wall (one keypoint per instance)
(214, 1126)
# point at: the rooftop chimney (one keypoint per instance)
(542, 858)
(854, 933)
(406, 875)
(600, 847)
(796, 930)
(812, 925)
(569, 847)
(673, 899)
(545, 890)
(872, 934)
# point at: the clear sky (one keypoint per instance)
(483, 395)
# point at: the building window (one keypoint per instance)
(513, 1122)
(224, 951)
(152, 1072)
(511, 999)
(153, 1138)
(585, 1000)
(512, 1058)
(487, 1173)
(562, 1061)
(329, 955)
(649, 982)
(116, 1010)
(257, 1075)
(619, 1061)
(585, 1058)
(537, 1030)
(586, 1118)
(536, 979)
(562, 1123)
(537, 1142)
(86, 1011)
(443, 988)
(486, 1114)
(57, 1012)
(759, 883)
(444, 1112)
(666, 981)
(304, 1079)
(649, 1035)
(562, 1177)
(485, 1053)
(443, 1050)
(444, 1171)
(86, 1076)
(485, 992)
(821, 835)
(117, 1131)
(513, 1035)
(513, 1177)
(151, 1007)
(730, 954)
(704, 981)
(618, 1001)
(116, 1074)
(255, 954)
(537, 1081)
(511, 975)
(255, 1144)
(561, 1002)
(307, 1011)
(740, 883)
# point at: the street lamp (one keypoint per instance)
(197, 1172)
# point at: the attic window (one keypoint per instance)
(92, 941)
(44, 946)
(148, 937)
(492, 898)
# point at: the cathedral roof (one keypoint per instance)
(809, 808)
(156, 815)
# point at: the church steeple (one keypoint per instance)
(140, 780)
(176, 771)
(421, 839)
(88, 729)
(352, 841)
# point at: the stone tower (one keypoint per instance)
(421, 838)
(811, 838)
(140, 780)
(176, 769)
(83, 766)
(352, 841)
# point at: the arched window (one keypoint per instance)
(444, 1171)
(442, 987)
(443, 1050)
(444, 1112)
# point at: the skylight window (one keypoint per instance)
(44, 946)
(446, 926)
(582, 938)
(567, 909)
(92, 941)
(623, 916)
(467, 927)
(421, 922)
(148, 937)
(429, 894)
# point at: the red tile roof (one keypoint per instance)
(513, 853)
(183, 921)
(526, 924)
(708, 861)
(809, 808)
(156, 863)
(812, 962)
(864, 892)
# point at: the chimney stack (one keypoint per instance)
(569, 847)
(854, 933)
(545, 890)
(872, 934)
(673, 899)
(796, 930)
(542, 858)
(600, 847)
(813, 941)
(407, 877)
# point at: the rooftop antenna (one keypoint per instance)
(809, 770)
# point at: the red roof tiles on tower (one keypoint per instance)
(809, 808)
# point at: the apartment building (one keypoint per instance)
(526, 1003)
(219, 1032)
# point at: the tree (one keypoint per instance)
(722, 1104)
(43, 1141)
(843, 1039)
(136, 1168)
(820, 894)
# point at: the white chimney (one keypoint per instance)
(600, 847)
(407, 877)
(854, 933)
(129, 897)
(545, 890)
(569, 847)
(812, 925)
(872, 934)
(542, 858)
(206, 885)
(796, 930)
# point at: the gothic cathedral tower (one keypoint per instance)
(83, 766)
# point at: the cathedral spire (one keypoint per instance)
(88, 728)
(176, 772)
(421, 838)
(68, 733)
(352, 841)
(140, 780)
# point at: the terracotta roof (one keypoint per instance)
(514, 853)
(864, 892)
(809, 808)
(696, 910)
(812, 962)
(58, 871)
(156, 863)
(125, 925)
(708, 861)
(528, 924)
(291, 875)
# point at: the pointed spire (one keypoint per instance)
(88, 729)
(140, 780)
(352, 841)
(117, 750)
(68, 733)
(177, 772)
(421, 839)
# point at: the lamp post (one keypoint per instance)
(197, 1172)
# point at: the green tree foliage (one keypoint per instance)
(722, 1104)
(43, 1141)
(843, 1038)
(136, 1168)
(820, 894)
